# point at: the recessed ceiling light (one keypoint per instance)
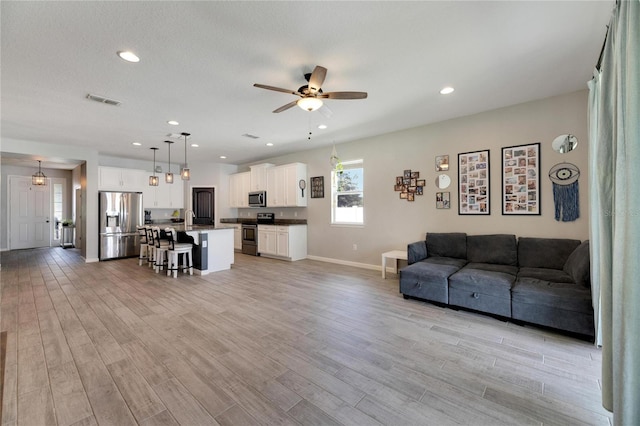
(447, 90)
(194, 145)
(322, 126)
(136, 143)
(269, 144)
(128, 56)
(173, 122)
(223, 157)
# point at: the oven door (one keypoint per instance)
(250, 239)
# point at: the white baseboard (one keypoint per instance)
(348, 263)
(91, 260)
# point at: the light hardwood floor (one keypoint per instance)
(270, 342)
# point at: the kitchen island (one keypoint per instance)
(212, 247)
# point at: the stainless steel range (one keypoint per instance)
(250, 232)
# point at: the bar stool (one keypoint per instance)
(144, 245)
(175, 250)
(151, 247)
(161, 247)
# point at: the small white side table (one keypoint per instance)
(393, 254)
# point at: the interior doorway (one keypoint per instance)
(204, 205)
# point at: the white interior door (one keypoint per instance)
(30, 206)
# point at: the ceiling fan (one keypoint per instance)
(311, 95)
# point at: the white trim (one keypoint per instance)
(91, 260)
(346, 263)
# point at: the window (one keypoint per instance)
(347, 194)
(58, 210)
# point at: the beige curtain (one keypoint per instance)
(614, 125)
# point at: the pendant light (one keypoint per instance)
(39, 178)
(153, 180)
(185, 173)
(168, 177)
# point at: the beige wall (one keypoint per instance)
(391, 223)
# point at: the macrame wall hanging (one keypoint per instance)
(566, 195)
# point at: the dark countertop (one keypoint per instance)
(277, 221)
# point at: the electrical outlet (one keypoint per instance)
(295, 214)
(281, 214)
(355, 247)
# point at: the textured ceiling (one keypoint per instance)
(199, 61)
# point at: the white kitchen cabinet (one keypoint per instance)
(119, 179)
(259, 176)
(283, 241)
(237, 236)
(165, 195)
(239, 187)
(283, 186)
(267, 242)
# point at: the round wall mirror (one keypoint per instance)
(443, 181)
(564, 143)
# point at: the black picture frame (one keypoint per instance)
(474, 189)
(521, 180)
(317, 187)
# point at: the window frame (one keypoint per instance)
(346, 165)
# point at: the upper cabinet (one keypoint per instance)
(165, 195)
(259, 176)
(283, 186)
(239, 187)
(117, 179)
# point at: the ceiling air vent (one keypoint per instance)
(250, 136)
(103, 100)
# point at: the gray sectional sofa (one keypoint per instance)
(544, 281)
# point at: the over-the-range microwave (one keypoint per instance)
(258, 199)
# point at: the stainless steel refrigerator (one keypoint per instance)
(120, 214)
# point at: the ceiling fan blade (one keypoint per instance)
(277, 89)
(343, 95)
(317, 78)
(285, 107)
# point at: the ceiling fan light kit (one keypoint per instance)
(309, 104)
(311, 95)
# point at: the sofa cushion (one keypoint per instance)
(429, 279)
(551, 275)
(416, 252)
(507, 269)
(492, 283)
(550, 253)
(458, 263)
(497, 249)
(449, 244)
(564, 296)
(578, 265)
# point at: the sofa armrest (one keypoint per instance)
(416, 252)
(578, 265)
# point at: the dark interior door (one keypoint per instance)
(203, 206)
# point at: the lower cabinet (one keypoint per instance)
(237, 237)
(283, 241)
